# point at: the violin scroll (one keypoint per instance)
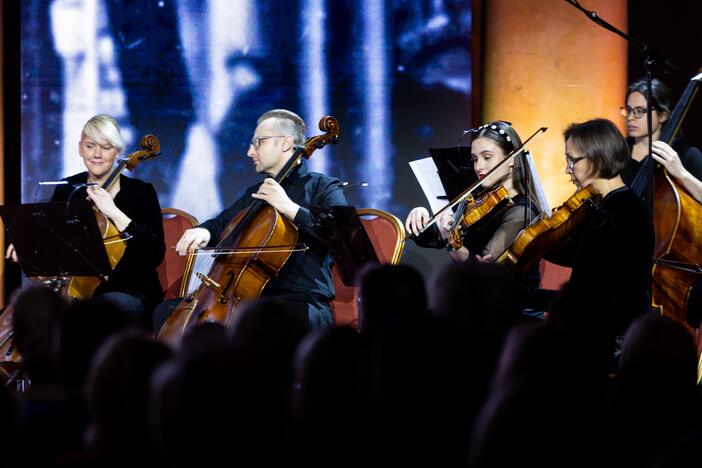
(151, 148)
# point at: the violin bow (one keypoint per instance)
(479, 182)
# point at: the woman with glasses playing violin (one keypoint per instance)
(491, 144)
(682, 161)
(610, 251)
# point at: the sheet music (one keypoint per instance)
(428, 177)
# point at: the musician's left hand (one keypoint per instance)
(668, 157)
(272, 193)
(104, 202)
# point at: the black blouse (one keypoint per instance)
(690, 157)
(612, 257)
(494, 236)
(135, 274)
(306, 276)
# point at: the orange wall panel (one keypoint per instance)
(546, 64)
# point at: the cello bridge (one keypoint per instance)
(207, 281)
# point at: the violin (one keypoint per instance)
(83, 287)
(253, 248)
(471, 211)
(550, 232)
(479, 183)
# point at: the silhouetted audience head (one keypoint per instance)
(219, 405)
(9, 429)
(388, 294)
(544, 402)
(203, 337)
(36, 309)
(119, 400)
(655, 399)
(658, 346)
(268, 331)
(83, 327)
(479, 297)
(334, 400)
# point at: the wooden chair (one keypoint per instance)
(387, 234)
(553, 276)
(174, 269)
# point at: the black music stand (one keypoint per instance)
(349, 245)
(455, 169)
(56, 239)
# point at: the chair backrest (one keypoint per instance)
(387, 234)
(174, 269)
(553, 276)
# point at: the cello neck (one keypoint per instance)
(672, 126)
(256, 206)
(114, 175)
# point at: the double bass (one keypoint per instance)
(253, 248)
(677, 223)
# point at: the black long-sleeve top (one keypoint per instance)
(690, 157)
(494, 236)
(136, 272)
(611, 256)
(306, 276)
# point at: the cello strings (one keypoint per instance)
(204, 260)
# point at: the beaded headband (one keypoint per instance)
(500, 131)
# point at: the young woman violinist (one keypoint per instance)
(682, 161)
(132, 206)
(491, 144)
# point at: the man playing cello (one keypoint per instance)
(305, 281)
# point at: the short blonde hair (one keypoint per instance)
(104, 127)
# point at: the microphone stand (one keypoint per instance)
(651, 60)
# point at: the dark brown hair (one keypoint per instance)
(601, 142)
(662, 99)
(507, 138)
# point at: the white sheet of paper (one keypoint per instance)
(428, 177)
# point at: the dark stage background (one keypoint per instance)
(197, 74)
(400, 76)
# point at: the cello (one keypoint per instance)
(253, 248)
(677, 223)
(78, 287)
(83, 287)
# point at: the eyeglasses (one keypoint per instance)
(572, 161)
(256, 141)
(637, 112)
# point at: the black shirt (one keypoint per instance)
(306, 276)
(136, 272)
(611, 256)
(690, 157)
(493, 235)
